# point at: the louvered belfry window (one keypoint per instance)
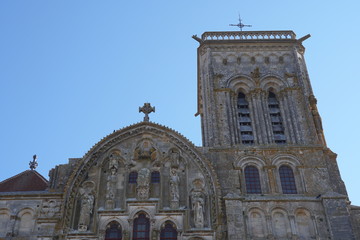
(252, 180)
(246, 130)
(276, 120)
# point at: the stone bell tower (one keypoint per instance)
(262, 130)
(254, 89)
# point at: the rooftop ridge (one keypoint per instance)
(15, 176)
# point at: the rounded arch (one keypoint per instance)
(5, 215)
(256, 222)
(274, 209)
(250, 160)
(129, 137)
(240, 83)
(288, 159)
(27, 221)
(256, 209)
(280, 221)
(272, 83)
(304, 223)
(23, 211)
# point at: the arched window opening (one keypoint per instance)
(168, 232)
(141, 230)
(252, 180)
(133, 177)
(246, 130)
(113, 231)
(276, 120)
(287, 180)
(155, 177)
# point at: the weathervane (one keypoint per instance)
(240, 24)
(146, 109)
(33, 164)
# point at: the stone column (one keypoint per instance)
(269, 227)
(258, 115)
(293, 232)
(286, 117)
(273, 188)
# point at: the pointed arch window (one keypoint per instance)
(252, 180)
(155, 177)
(287, 180)
(246, 130)
(133, 177)
(141, 230)
(113, 231)
(168, 232)
(276, 120)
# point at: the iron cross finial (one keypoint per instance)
(33, 164)
(240, 24)
(146, 109)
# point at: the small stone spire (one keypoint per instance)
(146, 109)
(33, 164)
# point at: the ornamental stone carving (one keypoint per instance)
(197, 197)
(174, 188)
(143, 184)
(50, 208)
(87, 199)
(197, 206)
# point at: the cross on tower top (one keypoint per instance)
(146, 109)
(240, 24)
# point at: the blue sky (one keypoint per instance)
(71, 72)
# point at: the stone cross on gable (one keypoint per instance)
(146, 109)
(33, 164)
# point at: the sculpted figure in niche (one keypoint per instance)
(111, 188)
(87, 205)
(197, 205)
(114, 161)
(145, 151)
(174, 188)
(143, 184)
(111, 181)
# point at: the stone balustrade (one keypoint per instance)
(248, 35)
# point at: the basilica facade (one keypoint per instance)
(264, 170)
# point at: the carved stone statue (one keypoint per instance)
(111, 188)
(155, 234)
(174, 188)
(114, 162)
(87, 205)
(175, 159)
(197, 205)
(145, 151)
(143, 184)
